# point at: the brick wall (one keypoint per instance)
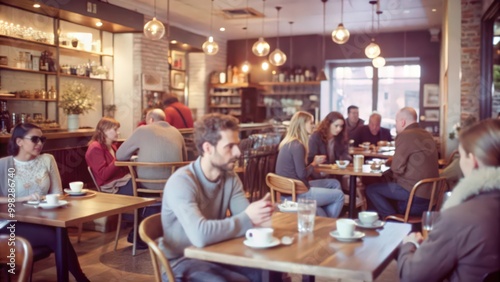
(470, 58)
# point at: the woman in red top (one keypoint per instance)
(100, 158)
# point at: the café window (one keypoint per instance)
(385, 90)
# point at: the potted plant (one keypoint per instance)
(76, 99)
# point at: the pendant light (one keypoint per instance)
(261, 48)
(322, 74)
(372, 50)
(291, 45)
(378, 61)
(341, 34)
(245, 67)
(277, 57)
(210, 47)
(154, 29)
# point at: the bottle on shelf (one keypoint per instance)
(5, 125)
(52, 93)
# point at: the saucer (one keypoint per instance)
(274, 242)
(289, 207)
(357, 236)
(72, 193)
(45, 205)
(375, 225)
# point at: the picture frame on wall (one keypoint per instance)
(152, 81)
(177, 79)
(431, 95)
(431, 115)
(178, 60)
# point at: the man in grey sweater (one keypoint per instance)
(197, 198)
(157, 141)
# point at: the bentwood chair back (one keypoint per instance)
(138, 191)
(93, 179)
(284, 185)
(437, 185)
(150, 231)
(23, 256)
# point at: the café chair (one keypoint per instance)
(24, 256)
(445, 162)
(438, 187)
(283, 185)
(150, 231)
(144, 192)
(492, 276)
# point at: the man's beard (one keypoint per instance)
(225, 166)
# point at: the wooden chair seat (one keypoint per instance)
(150, 231)
(23, 256)
(437, 185)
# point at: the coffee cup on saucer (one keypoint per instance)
(52, 199)
(345, 227)
(259, 236)
(368, 218)
(76, 186)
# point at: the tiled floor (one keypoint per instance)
(101, 263)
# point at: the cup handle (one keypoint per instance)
(249, 235)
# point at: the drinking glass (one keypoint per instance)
(306, 212)
(428, 220)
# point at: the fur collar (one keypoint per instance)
(482, 180)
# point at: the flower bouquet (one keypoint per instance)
(76, 98)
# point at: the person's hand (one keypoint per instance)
(388, 162)
(32, 197)
(414, 238)
(260, 211)
(318, 159)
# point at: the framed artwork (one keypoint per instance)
(178, 60)
(177, 79)
(431, 115)
(431, 95)
(152, 81)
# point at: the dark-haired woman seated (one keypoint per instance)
(464, 243)
(35, 176)
(329, 139)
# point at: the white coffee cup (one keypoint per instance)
(367, 217)
(260, 236)
(76, 186)
(52, 199)
(345, 227)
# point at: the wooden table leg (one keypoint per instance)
(352, 195)
(61, 254)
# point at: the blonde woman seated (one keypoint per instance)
(464, 243)
(292, 163)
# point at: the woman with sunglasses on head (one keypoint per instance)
(464, 242)
(292, 163)
(100, 157)
(34, 175)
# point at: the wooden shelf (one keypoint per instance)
(26, 70)
(224, 95)
(26, 99)
(237, 106)
(69, 50)
(234, 85)
(23, 43)
(83, 77)
(287, 93)
(290, 83)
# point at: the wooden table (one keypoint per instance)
(316, 254)
(349, 170)
(372, 153)
(75, 213)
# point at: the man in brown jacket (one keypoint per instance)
(415, 158)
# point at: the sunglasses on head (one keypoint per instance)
(36, 139)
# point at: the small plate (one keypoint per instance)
(71, 193)
(274, 242)
(357, 236)
(289, 207)
(45, 205)
(375, 225)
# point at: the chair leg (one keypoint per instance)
(136, 220)
(118, 227)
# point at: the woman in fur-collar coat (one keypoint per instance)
(464, 244)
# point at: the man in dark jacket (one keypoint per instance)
(372, 132)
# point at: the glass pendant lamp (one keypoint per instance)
(277, 57)
(341, 34)
(261, 48)
(210, 47)
(154, 29)
(322, 74)
(245, 67)
(372, 50)
(378, 62)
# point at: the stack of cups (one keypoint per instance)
(358, 161)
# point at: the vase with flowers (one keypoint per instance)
(76, 99)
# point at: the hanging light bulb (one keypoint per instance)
(277, 57)
(245, 67)
(378, 62)
(261, 48)
(210, 47)
(265, 65)
(372, 50)
(154, 29)
(322, 74)
(341, 34)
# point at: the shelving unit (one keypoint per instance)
(53, 35)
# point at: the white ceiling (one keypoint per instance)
(307, 15)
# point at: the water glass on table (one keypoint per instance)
(428, 220)
(306, 212)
